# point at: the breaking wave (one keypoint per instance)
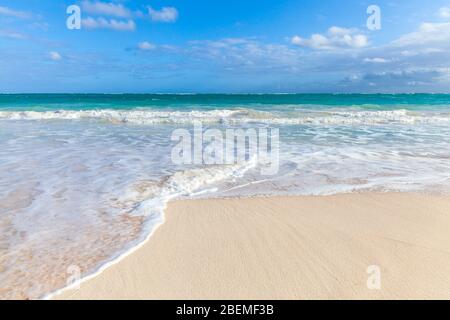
(237, 116)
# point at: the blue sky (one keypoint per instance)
(224, 46)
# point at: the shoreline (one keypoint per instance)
(108, 263)
(279, 248)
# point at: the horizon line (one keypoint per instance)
(222, 93)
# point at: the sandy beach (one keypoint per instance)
(288, 248)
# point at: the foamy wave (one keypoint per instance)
(149, 199)
(124, 116)
(153, 195)
(236, 116)
(358, 117)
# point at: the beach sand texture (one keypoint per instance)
(288, 248)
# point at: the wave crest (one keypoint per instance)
(236, 116)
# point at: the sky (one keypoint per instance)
(218, 46)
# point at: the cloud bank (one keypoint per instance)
(335, 38)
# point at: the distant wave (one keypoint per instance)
(237, 116)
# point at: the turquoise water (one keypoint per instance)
(85, 178)
(211, 101)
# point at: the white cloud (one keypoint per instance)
(376, 60)
(245, 54)
(335, 38)
(13, 35)
(166, 14)
(55, 56)
(409, 53)
(427, 34)
(106, 8)
(444, 12)
(145, 45)
(420, 51)
(5, 11)
(112, 24)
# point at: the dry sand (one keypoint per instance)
(288, 248)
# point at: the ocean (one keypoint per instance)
(85, 178)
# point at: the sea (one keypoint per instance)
(85, 178)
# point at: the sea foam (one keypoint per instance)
(237, 116)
